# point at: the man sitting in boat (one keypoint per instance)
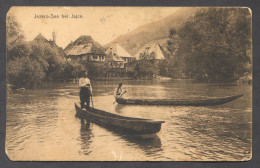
(118, 90)
(85, 91)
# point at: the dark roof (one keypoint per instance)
(84, 45)
(40, 38)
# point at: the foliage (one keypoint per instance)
(214, 44)
(24, 72)
(14, 34)
(31, 63)
(146, 56)
(51, 58)
(95, 70)
(72, 70)
(145, 68)
(172, 42)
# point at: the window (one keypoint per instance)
(94, 57)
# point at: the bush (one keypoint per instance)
(72, 70)
(215, 44)
(24, 73)
(96, 70)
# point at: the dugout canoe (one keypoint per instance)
(122, 123)
(179, 102)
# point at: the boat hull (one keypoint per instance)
(179, 102)
(119, 123)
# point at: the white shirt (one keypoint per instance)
(85, 82)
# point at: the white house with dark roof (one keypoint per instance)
(85, 49)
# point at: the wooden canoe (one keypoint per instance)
(179, 102)
(118, 122)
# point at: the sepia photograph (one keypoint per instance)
(128, 83)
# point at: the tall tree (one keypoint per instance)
(215, 43)
(15, 44)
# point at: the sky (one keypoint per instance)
(102, 23)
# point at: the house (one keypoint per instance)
(85, 49)
(151, 51)
(121, 52)
(113, 60)
(118, 52)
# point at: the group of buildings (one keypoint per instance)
(115, 56)
(85, 49)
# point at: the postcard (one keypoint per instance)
(129, 83)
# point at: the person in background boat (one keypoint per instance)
(118, 90)
(85, 91)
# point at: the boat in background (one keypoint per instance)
(113, 121)
(179, 102)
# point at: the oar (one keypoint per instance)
(92, 101)
(120, 96)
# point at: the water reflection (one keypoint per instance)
(86, 137)
(119, 108)
(40, 123)
(150, 145)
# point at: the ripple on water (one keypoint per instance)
(45, 125)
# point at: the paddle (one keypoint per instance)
(120, 96)
(92, 101)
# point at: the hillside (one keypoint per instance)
(153, 32)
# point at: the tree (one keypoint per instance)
(24, 72)
(72, 70)
(14, 34)
(50, 57)
(214, 43)
(31, 63)
(95, 69)
(146, 67)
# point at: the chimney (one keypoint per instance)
(54, 36)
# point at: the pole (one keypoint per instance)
(120, 96)
(92, 101)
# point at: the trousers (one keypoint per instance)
(84, 96)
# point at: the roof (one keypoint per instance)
(118, 50)
(111, 56)
(80, 49)
(84, 45)
(153, 48)
(41, 38)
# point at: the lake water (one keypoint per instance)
(41, 124)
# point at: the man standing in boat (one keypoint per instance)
(85, 91)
